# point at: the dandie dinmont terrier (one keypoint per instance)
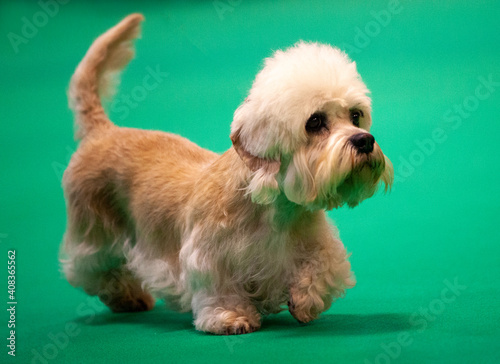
(233, 236)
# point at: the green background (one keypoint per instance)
(438, 227)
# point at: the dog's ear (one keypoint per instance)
(263, 186)
(253, 162)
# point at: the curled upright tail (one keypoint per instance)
(94, 77)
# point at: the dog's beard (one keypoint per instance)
(336, 175)
(361, 181)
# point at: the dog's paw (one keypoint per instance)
(305, 307)
(121, 304)
(220, 321)
(121, 292)
(302, 315)
(238, 327)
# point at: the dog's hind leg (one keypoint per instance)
(122, 292)
(92, 254)
(102, 273)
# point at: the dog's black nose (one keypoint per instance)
(363, 142)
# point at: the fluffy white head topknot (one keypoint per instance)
(268, 129)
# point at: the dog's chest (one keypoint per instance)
(265, 251)
(264, 265)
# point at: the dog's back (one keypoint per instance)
(111, 176)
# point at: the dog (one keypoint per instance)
(230, 237)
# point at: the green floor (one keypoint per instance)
(426, 256)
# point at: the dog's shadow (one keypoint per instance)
(166, 320)
(342, 324)
(159, 318)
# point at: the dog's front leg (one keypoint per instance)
(320, 277)
(224, 314)
(219, 306)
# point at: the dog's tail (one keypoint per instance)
(95, 76)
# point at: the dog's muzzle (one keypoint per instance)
(363, 142)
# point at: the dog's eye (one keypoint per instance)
(355, 116)
(316, 122)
